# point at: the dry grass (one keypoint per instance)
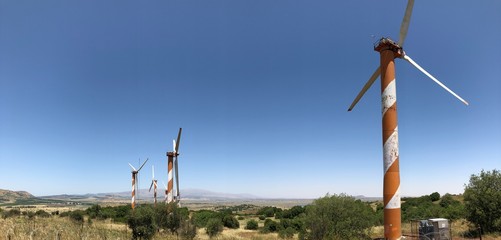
(59, 228)
(50, 228)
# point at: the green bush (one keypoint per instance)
(170, 216)
(214, 227)
(141, 221)
(435, 196)
(42, 214)
(296, 224)
(188, 230)
(270, 226)
(262, 217)
(293, 212)
(230, 222)
(287, 233)
(338, 217)
(240, 218)
(77, 216)
(482, 197)
(251, 225)
(201, 217)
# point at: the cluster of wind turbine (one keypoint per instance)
(135, 172)
(389, 50)
(172, 162)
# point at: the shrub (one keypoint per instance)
(141, 222)
(482, 197)
(42, 213)
(240, 218)
(262, 217)
(188, 230)
(200, 218)
(287, 233)
(230, 222)
(77, 216)
(270, 226)
(251, 225)
(170, 216)
(293, 212)
(435, 196)
(11, 213)
(214, 227)
(338, 217)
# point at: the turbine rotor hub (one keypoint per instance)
(385, 44)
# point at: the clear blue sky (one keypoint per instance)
(261, 89)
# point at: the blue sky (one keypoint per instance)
(261, 89)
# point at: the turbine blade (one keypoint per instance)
(367, 85)
(164, 185)
(178, 139)
(132, 167)
(152, 172)
(174, 145)
(177, 178)
(143, 164)
(405, 22)
(151, 186)
(434, 79)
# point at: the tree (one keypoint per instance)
(270, 226)
(435, 196)
(141, 221)
(214, 227)
(251, 225)
(202, 217)
(169, 216)
(188, 230)
(77, 216)
(482, 197)
(287, 233)
(230, 221)
(338, 217)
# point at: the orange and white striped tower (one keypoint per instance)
(133, 200)
(155, 191)
(170, 183)
(389, 50)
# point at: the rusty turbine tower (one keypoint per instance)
(134, 183)
(172, 162)
(389, 50)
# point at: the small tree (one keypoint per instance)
(435, 196)
(42, 214)
(214, 227)
(188, 230)
(270, 226)
(77, 216)
(287, 233)
(251, 225)
(230, 221)
(141, 222)
(338, 217)
(482, 198)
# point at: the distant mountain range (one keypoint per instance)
(195, 194)
(11, 196)
(7, 196)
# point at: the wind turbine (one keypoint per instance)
(153, 184)
(134, 180)
(173, 162)
(389, 50)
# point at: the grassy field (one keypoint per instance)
(56, 227)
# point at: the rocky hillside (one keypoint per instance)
(11, 196)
